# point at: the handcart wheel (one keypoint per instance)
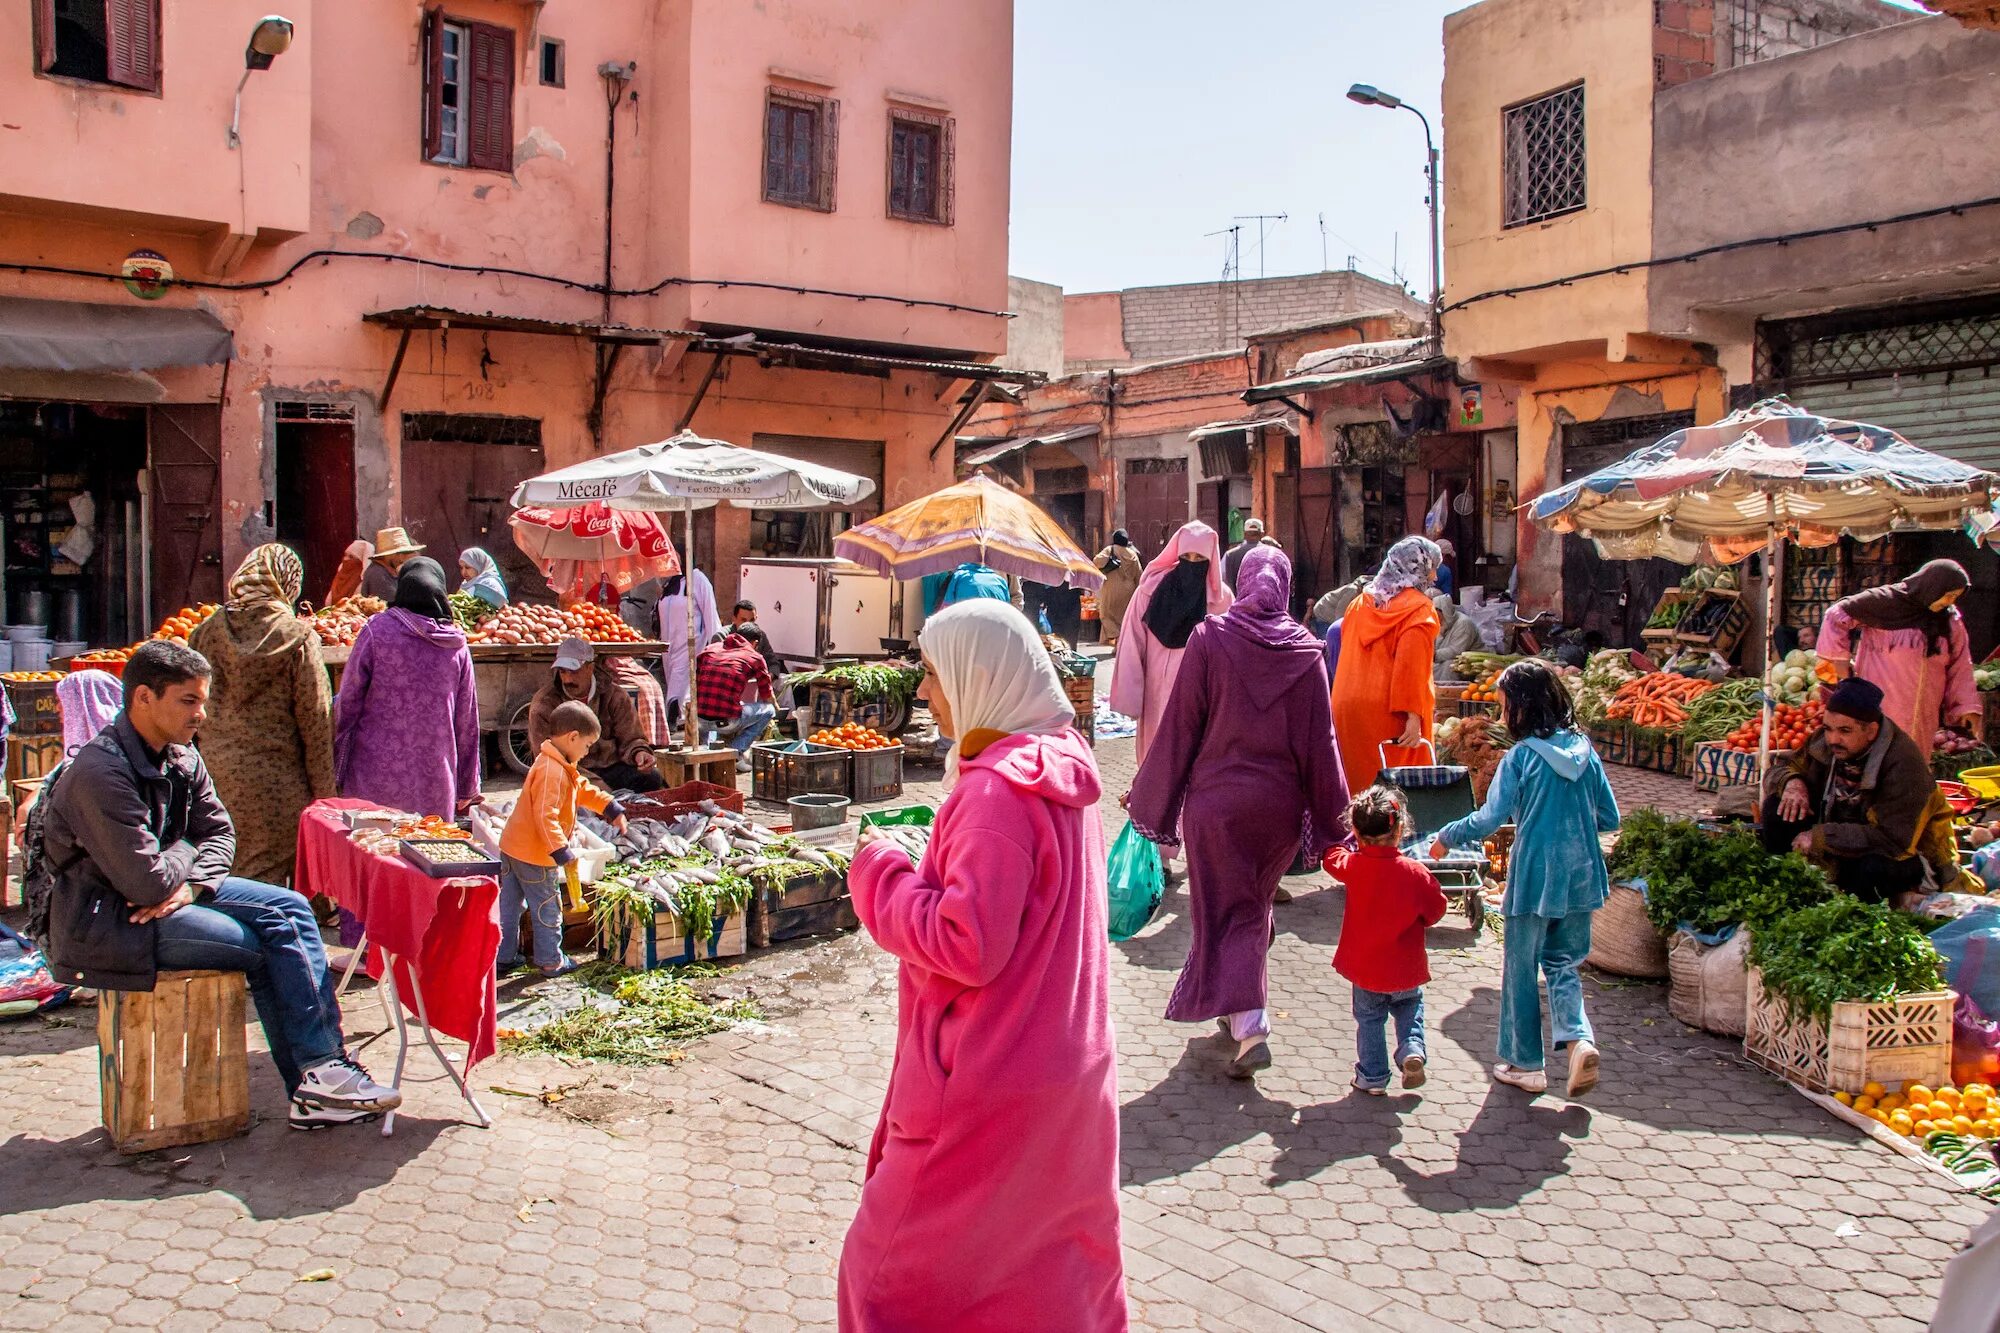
(1475, 909)
(513, 738)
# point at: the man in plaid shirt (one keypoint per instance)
(723, 675)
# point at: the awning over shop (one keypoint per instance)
(1280, 420)
(1362, 363)
(995, 452)
(82, 336)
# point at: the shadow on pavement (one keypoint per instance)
(1194, 1114)
(1513, 1147)
(1354, 1127)
(50, 1033)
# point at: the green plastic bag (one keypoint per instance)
(1136, 880)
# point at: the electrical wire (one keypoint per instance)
(265, 284)
(1727, 247)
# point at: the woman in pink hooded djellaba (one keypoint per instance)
(991, 1202)
(1909, 640)
(1182, 585)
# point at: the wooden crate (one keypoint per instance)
(1715, 766)
(806, 906)
(835, 706)
(37, 712)
(1727, 632)
(1891, 1042)
(30, 757)
(711, 768)
(172, 1061)
(665, 942)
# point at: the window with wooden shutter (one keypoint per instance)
(801, 147)
(920, 166)
(468, 93)
(100, 41)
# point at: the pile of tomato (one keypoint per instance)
(851, 737)
(601, 624)
(1792, 725)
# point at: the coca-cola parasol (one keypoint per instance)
(579, 547)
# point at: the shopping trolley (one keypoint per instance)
(1437, 794)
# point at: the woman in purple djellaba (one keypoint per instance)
(406, 732)
(1242, 769)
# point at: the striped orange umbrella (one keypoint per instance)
(977, 520)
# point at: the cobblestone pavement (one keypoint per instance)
(1691, 1192)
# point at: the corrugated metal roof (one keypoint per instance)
(1282, 420)
(1005, 447)
(1366, 374)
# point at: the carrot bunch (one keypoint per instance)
(1657, 700)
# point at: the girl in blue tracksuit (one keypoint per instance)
(1552, 788)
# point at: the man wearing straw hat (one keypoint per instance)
(392, 548)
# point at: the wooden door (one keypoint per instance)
(315, 497)
(1156, 502)
(455, 495)
(184, 465)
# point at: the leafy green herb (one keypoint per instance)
(641, 1017)
(869, 680)
(1706, 881)
(1843, 949)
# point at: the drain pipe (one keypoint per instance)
(616, 77)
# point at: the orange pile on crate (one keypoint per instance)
(1917, 1111)
(600, 624)
(1485, 690)
(1656, 701)
(851, 737)
(30, 677)
(1792, 725)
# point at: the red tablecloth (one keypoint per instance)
(446, 931)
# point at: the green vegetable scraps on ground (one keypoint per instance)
(1843, 949)
(648, 1016)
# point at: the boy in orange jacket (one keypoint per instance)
(534, 847)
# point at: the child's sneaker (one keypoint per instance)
(1582, 1067)
(1413, 1072)
(1527, 1080)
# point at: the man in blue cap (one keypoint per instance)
(1858, 800)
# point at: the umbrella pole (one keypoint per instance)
(690, 732)
(1770, 638)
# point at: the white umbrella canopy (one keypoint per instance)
(691, 472)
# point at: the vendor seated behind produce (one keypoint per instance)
(732, 687)
(1858, 800)
(621, 758)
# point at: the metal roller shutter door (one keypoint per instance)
(1954, 413)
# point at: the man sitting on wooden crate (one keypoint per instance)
(622, 759)
(732, 693)
(1859, 801)
(131, 863)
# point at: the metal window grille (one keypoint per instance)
(1545, 157)
(295, 410)
(1866, 344)
(921, 152)
(801, 149)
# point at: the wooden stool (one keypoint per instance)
(172, 1066)
(679, 767)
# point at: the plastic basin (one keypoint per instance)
(816, 811)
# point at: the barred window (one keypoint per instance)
(1545, 157)
(801, 148)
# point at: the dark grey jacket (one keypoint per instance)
(124, 832)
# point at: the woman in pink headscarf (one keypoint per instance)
(1181, 587)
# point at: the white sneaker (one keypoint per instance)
(326, 1117)
(340, 1084)
(1527, 1080)
(743, 764)
(1582, 1067)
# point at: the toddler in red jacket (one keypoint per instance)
(1391, 900)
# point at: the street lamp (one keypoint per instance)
(271, 38)
(1368, 95)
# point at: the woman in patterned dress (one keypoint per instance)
(268, 740)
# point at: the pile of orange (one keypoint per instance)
(98, 656)
(600, 624)
(1917, 1111)
(30, 677)
(851, 737)
(181, 623)
(1485, 690)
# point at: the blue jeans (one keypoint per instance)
(750, 726)
(1539, 948)
(540, 889)
(1371, 1010)
(270, 935)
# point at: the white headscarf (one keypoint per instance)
(994, 671)
(1411, 563)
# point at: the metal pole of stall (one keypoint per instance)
(689, 731)
(1770, 635)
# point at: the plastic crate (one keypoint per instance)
(875, 775)
(780, 770)
(1892, 1042)
(677, 801)
(922, 815)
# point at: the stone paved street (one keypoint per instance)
(1691, 1192)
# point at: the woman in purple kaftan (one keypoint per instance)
(1242, 770)
(406, 729)
(1908, 640)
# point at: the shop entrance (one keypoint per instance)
(1156, 501)
(314, 498)
(459, 472)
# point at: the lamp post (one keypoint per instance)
(271, 38)
(1371, 96)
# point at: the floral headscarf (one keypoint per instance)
(1411, 563)
(270, 573)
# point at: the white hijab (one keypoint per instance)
(994, 671)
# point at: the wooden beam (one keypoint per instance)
(972, 405)
(395, 369)
(607, 358)
(701, 392)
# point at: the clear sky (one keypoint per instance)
(1142, 125)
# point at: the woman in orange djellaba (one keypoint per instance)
(1382, 688)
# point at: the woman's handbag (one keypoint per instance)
(1136, 881)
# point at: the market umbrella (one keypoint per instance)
(686, 473)
(1770, 472)
(976, 520)
(579, 547)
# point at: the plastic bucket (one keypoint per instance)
(31, 654)
(27, 633)
(815, 811)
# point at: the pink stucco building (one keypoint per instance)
(453, 246)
